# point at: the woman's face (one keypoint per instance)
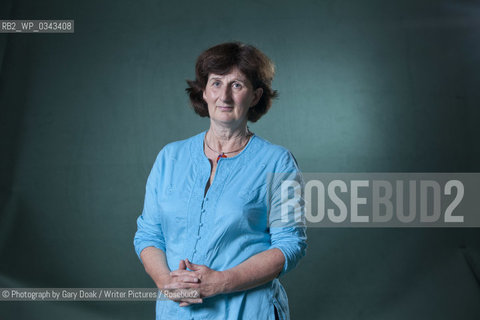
(229, 97)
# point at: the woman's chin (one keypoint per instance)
(226, 119)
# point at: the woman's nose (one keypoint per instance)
(226, 94)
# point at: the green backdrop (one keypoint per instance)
(365, 86)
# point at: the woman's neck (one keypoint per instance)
(225, 139)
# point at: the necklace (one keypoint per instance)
(224, 154)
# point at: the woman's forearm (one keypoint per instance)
(155, 263)
(255, 271)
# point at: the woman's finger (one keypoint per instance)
(192, 301)
(178, 273)
(188, 279)
(181, 285)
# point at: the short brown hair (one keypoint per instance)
(220, 59)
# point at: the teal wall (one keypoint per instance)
(365, 86)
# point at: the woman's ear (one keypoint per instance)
(204, 97)
(257, 95)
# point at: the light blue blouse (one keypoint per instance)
(239, 217)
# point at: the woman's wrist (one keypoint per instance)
(162, 279)
(226, 281)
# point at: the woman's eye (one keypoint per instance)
(216, 83)
(237, 85)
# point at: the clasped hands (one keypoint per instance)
(200, 282)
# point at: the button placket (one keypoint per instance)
(200, 224)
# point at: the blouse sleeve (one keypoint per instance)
(287, 212)
(149, 230)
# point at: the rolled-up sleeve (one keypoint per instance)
(287, 213)
(292, 242)
(149, 229)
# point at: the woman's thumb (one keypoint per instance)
(191, 266)
(181, 265)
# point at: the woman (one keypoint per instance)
(212, 206)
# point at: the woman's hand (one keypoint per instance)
(210, 282)
(177, 287)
